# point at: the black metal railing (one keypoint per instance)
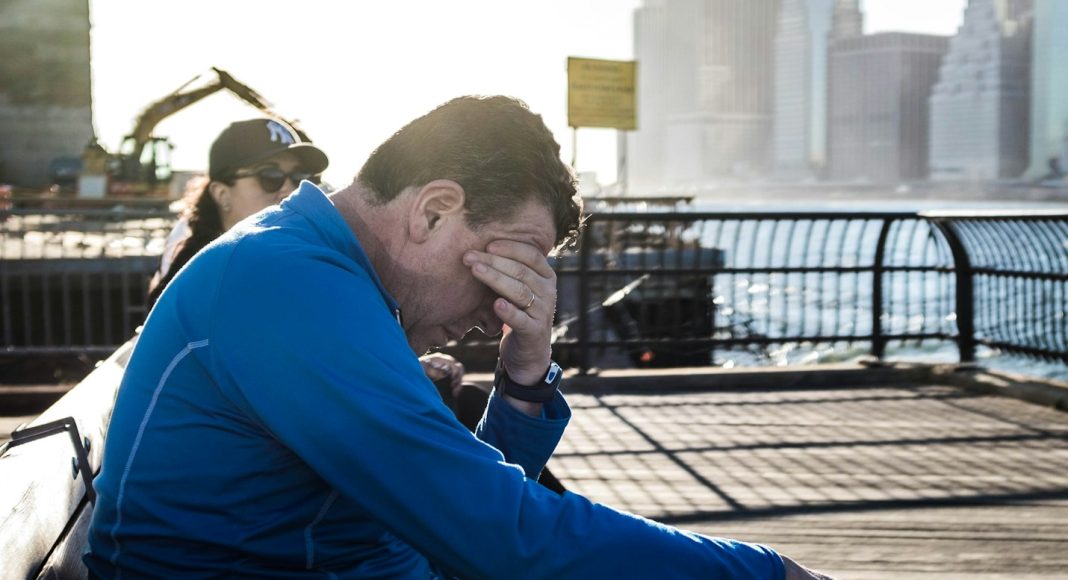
(652, 288)
(782, 288)
(1012, 289)
(74, 281)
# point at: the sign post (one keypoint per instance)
(601, 93)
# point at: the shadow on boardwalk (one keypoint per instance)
(926, 481)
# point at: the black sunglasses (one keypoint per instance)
(273, 178)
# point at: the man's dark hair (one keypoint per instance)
(500, 152)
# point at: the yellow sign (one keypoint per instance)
(601, 93)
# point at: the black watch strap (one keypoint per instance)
(542, 392)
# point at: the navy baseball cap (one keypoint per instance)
(247, 143)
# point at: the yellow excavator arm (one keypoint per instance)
(133, 147)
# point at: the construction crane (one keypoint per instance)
(142, 165)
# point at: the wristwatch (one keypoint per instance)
(541, 392)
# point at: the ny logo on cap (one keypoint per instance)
(279, 133)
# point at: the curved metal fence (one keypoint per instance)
(1012, 271)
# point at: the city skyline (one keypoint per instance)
(471, 46)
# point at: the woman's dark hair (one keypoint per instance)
(205, 224)
(500, 152)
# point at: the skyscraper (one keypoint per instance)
(979, 108)
(45, 100)
(880, 86)
(705, 76)
(1049, 87)
(800, 120)
(847, 20)
(666, 34)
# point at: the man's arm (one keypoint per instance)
(525, 284)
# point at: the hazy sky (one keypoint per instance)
(355, 71)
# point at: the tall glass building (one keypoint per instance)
(706, 98)
(800, 123)
(979, 107)
(666, 35)
(880, 86)
(1049, 87)
(847, 20)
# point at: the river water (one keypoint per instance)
(785, 304)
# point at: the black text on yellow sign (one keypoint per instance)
(601, 93)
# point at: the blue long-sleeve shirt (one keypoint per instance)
(274, 423)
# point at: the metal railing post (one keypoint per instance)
(965, 305)
(585, 241)
(878, 341)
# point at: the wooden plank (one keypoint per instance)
(1021, 540)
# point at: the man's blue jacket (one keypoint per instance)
(274, 423)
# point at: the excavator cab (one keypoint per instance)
(146, 174)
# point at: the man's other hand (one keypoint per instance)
(438, 366)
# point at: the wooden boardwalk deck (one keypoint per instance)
(914, 482)
(929, 482)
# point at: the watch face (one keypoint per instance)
(554, 372)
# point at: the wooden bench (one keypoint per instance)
(46, 470)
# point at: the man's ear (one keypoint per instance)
(436, 204)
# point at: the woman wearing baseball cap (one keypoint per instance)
(253, 164)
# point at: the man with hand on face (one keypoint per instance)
(298, 437)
